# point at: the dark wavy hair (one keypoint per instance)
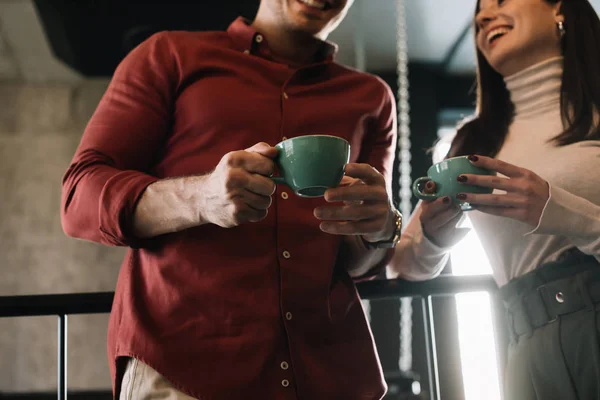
(484, 133)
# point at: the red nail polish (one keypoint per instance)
(461, 178)
(473, 158)
(461, 196)
(429, 185)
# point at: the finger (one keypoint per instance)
(496, 200)
(260, 185)
(429, 209)
(429, 187)
(245, 212)
(348, 181)
(348, 213)
(255, 201)
(252, 162)
(357, 193)
(252, 215)
(495, 182)
(510, 170)
(263, 149)
(449, 217)
(350, 227)
(364, 172)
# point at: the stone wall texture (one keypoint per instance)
(40, 127)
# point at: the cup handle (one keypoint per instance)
(278, 180)
(417, 192)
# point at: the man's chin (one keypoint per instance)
(309, 28)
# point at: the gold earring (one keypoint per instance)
(561, 28)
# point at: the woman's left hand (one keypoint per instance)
(525, 197)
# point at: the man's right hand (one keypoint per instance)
(239, 189)
(439, 219)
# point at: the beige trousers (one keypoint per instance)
(140, 382)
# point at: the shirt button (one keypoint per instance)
(285, 95)
(259, 38)
(288, 316)
(284, 365)
(285, 383)
(286, 254)
(246, 51)
(284, 195)
(284, 138)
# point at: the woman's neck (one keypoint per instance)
(536, 90)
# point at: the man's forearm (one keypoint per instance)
(167, 206)
(357, 258)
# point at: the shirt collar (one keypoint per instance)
(247, 39)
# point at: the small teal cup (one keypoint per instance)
(311, 164)
(444, 174)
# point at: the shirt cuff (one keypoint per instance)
(424, 245)
(377, 269)
(568, 215)
(117, 203)
(429, 259)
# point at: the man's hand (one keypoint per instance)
(239, 189)
(365, 207)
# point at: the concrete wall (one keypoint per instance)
(40, 127)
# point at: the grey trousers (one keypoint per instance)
(554, 324)
(560, 360)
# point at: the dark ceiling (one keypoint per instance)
(92, 36)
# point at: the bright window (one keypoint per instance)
(475, 326)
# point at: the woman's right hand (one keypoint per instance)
(439, 219)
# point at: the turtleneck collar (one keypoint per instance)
(536, 89)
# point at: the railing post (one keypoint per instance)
(500, 336)
(430, 348)
(62, 357)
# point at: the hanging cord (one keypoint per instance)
(404, 157)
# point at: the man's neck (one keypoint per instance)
(290, 47)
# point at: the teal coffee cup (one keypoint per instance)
(309, 165)
(444, 174)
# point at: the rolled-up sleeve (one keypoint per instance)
(111, 166)
(379, 151)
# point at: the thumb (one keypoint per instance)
(430, 187)
(349, 181)
(263, 149)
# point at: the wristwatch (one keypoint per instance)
(393, 241)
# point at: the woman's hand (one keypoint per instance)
(439, 219)
(525, 193)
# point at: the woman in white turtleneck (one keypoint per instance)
(537, 126)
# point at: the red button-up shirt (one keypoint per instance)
(260, 311)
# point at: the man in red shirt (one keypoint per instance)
(233, 288)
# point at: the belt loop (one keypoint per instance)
(510, 319)
(585, 292)
(543, 294)
(526, 317)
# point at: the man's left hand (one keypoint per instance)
(365, 207)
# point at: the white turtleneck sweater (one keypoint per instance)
(571, 217)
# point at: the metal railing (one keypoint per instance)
(63, 305)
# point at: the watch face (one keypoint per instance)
(391, 243)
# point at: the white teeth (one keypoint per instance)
(496, 33)
(314, 3)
